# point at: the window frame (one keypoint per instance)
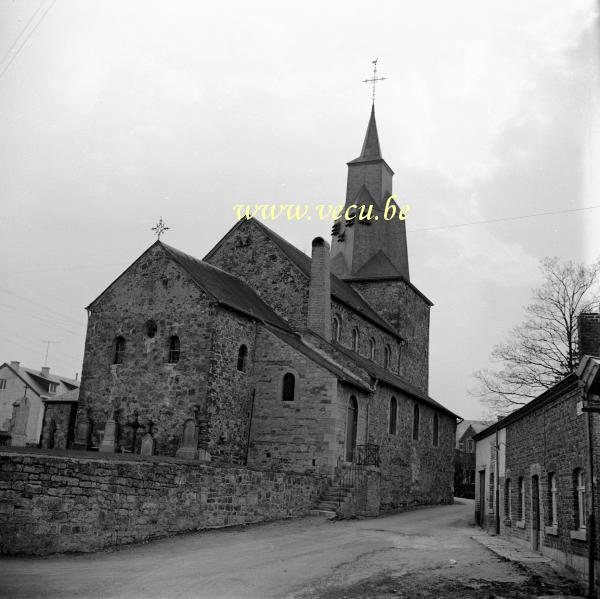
(174, 354)
(355, 339)
(119, 345)
(393, 416)
(416, 422)
(552, 500)
(2, 384)
(508, 499)
(372, 346)
(387, 356)
(282, 394)
(581, 498)
(242, 358)
(435, 432)
(336, 327)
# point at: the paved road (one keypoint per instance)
(402, 555)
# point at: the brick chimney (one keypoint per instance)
(319, 291)
(588, 329)
(45, 371)
(15, 364)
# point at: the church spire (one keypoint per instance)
(371, 149)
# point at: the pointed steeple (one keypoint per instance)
(371, 149)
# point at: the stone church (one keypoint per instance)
(270, 358)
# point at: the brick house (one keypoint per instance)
(464, 457)
(277, 359)
(533, 469)
(23, 392)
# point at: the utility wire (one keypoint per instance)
(12, 58)
(35, 12)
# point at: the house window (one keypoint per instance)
(2, 384)
(552, 500)
(470, 446)
(386, 356)
(174, 349)
(416, 417)
(436, 430)
(393, 415)
(288, 387)
(507, 500)
(351, 428)
(242, 357)
(521, 512)
(491, 491)
(579, 495)
(52, 387)
(336, 329)
(372, 348)
(151, 329)
(119, 347)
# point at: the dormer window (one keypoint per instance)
(52, 387)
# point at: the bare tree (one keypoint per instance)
(542, 350)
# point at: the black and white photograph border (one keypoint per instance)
(299, 300)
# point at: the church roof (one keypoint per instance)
(225, 288)
(391, 379)
(339, 289)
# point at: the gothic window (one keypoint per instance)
(416, 417)
(336, 329)
(436, 430)
(174, 349)
(151, 329)
(372, 348)
(288, 387)
(386, 356)
(242, 358)
(579, 497)
(119, 347)
(393, 415)
(552, 500)
(355, 339)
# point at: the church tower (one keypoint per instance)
(369, 249)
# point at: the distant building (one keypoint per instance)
(464, 457)
(533, 478)
(22, 395)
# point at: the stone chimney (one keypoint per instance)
(588, 329)
(319, 291)
(45, 371)
(15, 364)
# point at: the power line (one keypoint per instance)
(27, 38)
(503, 219)
(35, 12)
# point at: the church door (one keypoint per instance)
(351, 424)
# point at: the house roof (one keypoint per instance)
(67, 397)
(476, 425)
(551, 394)
(340, 290)
(39, 383)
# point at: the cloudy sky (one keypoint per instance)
(114, 114)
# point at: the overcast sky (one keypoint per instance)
(113, 114)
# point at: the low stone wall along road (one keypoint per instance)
(428, 552)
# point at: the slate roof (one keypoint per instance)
(477, 426)
(339, 289)
(67, 397)
(371, 150)
(38, 383)
(225, 288)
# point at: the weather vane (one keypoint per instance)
(374, 79)
(160, 228)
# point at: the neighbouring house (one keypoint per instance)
(464, 457)
(23, 392)
(264, 356)
(533, 475)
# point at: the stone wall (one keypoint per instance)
(53, 504)
(58, 424)
(399, 303)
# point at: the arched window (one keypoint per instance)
(242, 357)
(436, 430)
(372, 348)
(351, 427)
(393, 415)
(336, 329)
(174, 349)
(288, 387)
(386, 356)
(150, 328)
(355, 339)
(119, 347)
(416, 417)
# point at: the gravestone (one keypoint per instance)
(148, 445)
(111, 431)
(83, 432)
(19, 422)
(188, 449)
